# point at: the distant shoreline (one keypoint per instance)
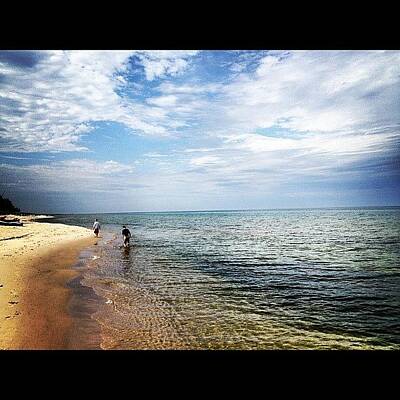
(54, 215)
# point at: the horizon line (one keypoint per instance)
(217, 210)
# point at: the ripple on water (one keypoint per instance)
(269, 279)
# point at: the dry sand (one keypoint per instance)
(35, 265)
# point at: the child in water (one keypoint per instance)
(126, 234)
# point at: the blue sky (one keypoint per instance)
(110, 131)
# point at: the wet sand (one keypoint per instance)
(35, 267)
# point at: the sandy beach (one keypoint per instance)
(35, 266)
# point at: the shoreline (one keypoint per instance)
(36, 266)
(85, 331)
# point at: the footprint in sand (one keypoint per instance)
(13, 316)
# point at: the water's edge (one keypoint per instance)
(85, 332)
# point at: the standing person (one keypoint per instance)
(96, 227)
(126, 234)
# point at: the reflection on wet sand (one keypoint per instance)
(131, 316)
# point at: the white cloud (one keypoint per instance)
(49, 105)
(206, 161)
(159, 63)
(312, 91)
(76, 166)
(259, 143)
(333, 109)
(163, 101)
(170, 88)
(70, 176)
(254, 163)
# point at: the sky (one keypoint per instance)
(160, 130)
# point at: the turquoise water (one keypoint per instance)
(273, 279)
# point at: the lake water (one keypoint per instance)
(273, 279)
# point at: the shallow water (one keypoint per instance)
(273, 279)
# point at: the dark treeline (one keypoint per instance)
(7, 207)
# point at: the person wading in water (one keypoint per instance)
(126, 234)
(96, 227)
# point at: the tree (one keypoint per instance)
(7, 207)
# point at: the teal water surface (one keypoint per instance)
(271, 279)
